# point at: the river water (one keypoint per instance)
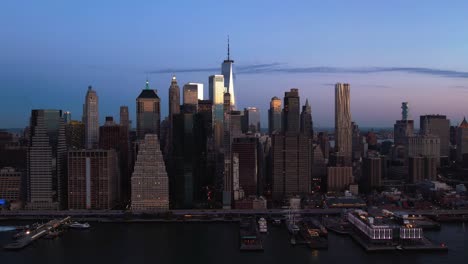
(213, 243)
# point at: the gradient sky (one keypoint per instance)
(389, 51)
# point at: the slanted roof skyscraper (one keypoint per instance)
(227, 72)
(148, 112)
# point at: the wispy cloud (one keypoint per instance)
(277, 67)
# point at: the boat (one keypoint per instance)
(53, 234)
(77, 225)
(249, 237)
(262, 225)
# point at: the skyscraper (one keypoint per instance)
(216, 91)
(192, 93)
(291, 110)
(274, 115)
(372, 173)
(343, 131)
(148, 107)
(462, 141)
(124, 117)
(227, 72)
(46, 175)
(174, 98)
(403, 128)
(437, 125)
(67, 117)
(306, 120)
(75, 135)
(93, 181)
(251, 120)
(150, 185)
(91, 118)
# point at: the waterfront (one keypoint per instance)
(212, 243)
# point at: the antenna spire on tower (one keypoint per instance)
(228, 49)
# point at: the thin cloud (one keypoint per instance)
(277, 67)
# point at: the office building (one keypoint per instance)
(124, 117)
(216, 91)
(306, 120)
(371, 173)
(174, 99)
(247, 163)
(437, 125)
(251, 120)
(67, 117)
(148, 108)
(291, 154)
(75, 135)
(46, 170)
(192, 93)
(422, 168)
(274, 115)
(462, 142)
(93, 179)
(10, 184)
(150, 184)
(403, 128)
(91, 118)
(339, 178)
(228, 78)
(291, 113)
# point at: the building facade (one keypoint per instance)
(274, 115)
(343, 131)
(46, 170)
(150, 184)
(93, 179)
(91, 118)
(148, 106)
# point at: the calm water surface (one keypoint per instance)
(212, 243)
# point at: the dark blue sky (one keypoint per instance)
(415, 51)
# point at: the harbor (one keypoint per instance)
(51, 229)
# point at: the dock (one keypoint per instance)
(32, 235)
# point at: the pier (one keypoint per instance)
(40, 231)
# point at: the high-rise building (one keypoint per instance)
(46, 174)
(246, 148)
(91, 118)
(291, 110)
(422, 168)
(174, 98)
(274, 115)
(192, 93)
(75, 134)
(339, 178)
(306, 120)
(124, 117)
(424, 144)
(291, 170)
(403, 128)
(318, 168)
(216, 91)
(67, 117)
(357, 141)
(148, 106)
(10, 184)
(251, 120)
(371, 173)
(227, 72)
(114, 136)
(462, 141)
(150, 184)
(437, 125)
(93, 179)
(324, 143)
(343, 132)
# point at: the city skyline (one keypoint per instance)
(384, 62)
